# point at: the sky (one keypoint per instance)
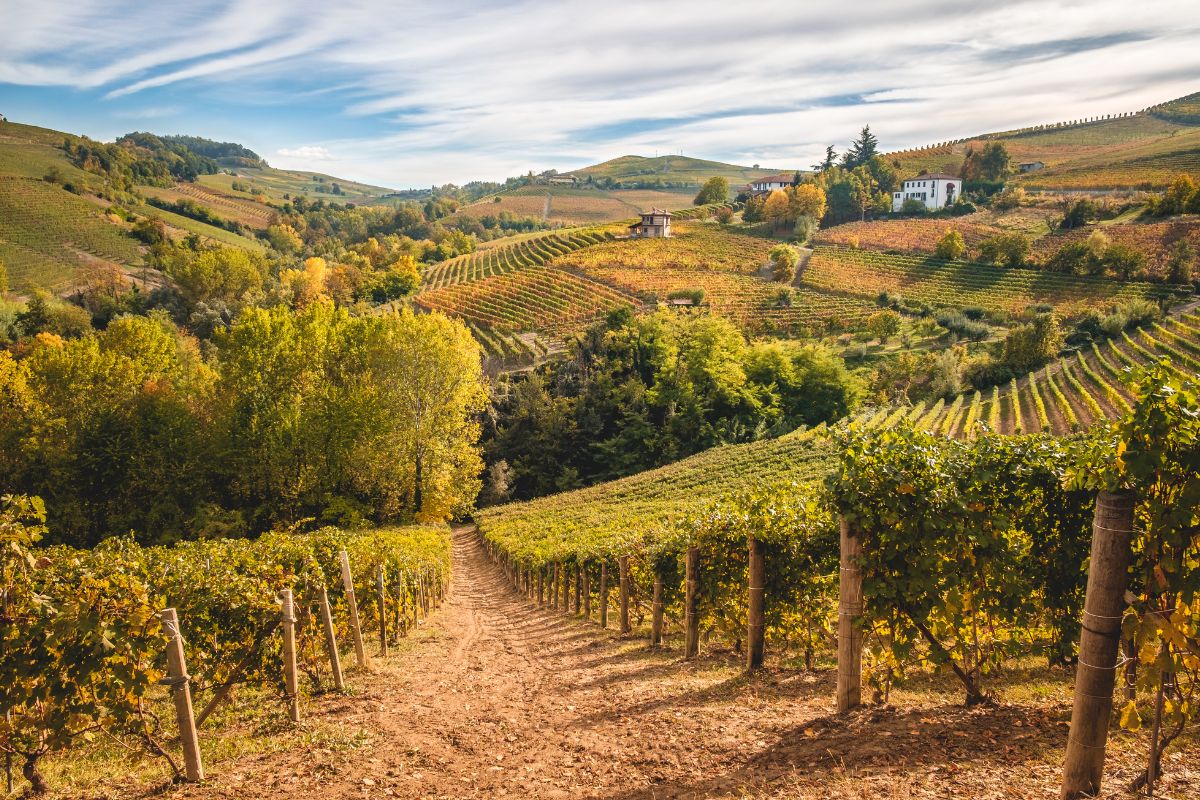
(405, 94)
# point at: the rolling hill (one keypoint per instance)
(675, 169)
(1140, 150)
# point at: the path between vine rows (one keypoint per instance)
(500, 698)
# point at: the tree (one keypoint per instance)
(1123, 260)
(777, 209)
(1078, 214)
(884, 324)
(951, 246)
(805, 228)
(1029, 346)
(784, 259)
(754, 211)
(862, 149)
(807, 199)
(1181, 262)
(864, 192)
(989, 164)
(1179, 195)
(724, 215)
(1007, 249)
(715, 190)
(828, 162)
(285, 239)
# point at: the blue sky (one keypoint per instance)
(408, 94)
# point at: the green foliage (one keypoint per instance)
(1030, 346)
(861, 150)
(222, 273)
(1182, 264)
(989, 164)
(951, 246)
(1005, 249)
(636, 393)
(956, 557)
(715, 190)
(783, 262)
(884, 324)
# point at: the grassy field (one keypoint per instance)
(275, 183)
(179, 226)
(47, 234)
(674, 168)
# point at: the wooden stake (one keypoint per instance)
(756, 580)
(287, 617)
(360, 652)
(850, 635)
(335, 659)
(578, 588)
(555, 582)
(603, 594)
(1099, 641)
(181, 692)
(566, 591)
(623, 567)
(381, 589)
(691, 603)
(656, 616)
(541, 586)
(587, 591)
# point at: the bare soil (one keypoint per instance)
(500, 698)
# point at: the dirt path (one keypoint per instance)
(497, 697)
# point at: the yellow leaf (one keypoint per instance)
(1131, 720)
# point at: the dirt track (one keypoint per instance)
(499, 697)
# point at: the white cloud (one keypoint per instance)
(306, 153)
(460, 90)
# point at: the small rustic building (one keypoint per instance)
(935, 190)
(656, 223)
(1031, 166)
(770, 183)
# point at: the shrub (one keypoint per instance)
(962, 327)
(783, 262)
(913, 206)
(806, 228)
(951, 246)
(884, 324)
(1181, 262)
(1078, 214)
(1006, 249)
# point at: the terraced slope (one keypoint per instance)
(866, 274)
(47, 234)
(245, 211)
(1067, 395)
(507, 255)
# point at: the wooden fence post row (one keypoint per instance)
(850, 608)
(181, 692)
(1099, 642)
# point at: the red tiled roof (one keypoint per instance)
(933, 176)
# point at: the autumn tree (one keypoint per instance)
(1181, 262)
(884, 324)
(807, 199)
(784, 259)
(777, 209)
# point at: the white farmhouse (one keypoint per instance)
(936, 190)
(770, 183)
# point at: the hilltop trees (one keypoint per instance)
(715, 190)
(989, 164)
(827, 162)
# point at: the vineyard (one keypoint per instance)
(953, 283)
(1152, 239)
(46, 234)
(533, 297)
(577, 206)
(692, 246)
(226, 596)
(506, 255)
(503, 349)
(907, 235)
(245, 212)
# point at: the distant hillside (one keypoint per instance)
(1136, 150)
(579, 205)
(671, 169)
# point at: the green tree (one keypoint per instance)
(715, 190)
(951, 246)
(1030, 346)
(1181, 263)
(861, 150)
(1006, 249)
(828, 162)
(784, 259)
(1124, 260)
(884, 324)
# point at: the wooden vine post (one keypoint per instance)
(850, 635)
(360, 652)
(181, 692)
(381, 589)
(560, 591)
(587, 591)
(623, 566)
(756, 584)
(578, 589)
(603, 594)
(541, 586)
(566, 590)
(691, 603)
(331, 646)
(656, 612)
(1099, 643)
(287, 617)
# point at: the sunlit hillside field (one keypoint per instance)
(674, 169)
(578, 205)
(235, 209)
(692, 246)
(275, 183)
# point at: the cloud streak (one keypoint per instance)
(462, 90)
